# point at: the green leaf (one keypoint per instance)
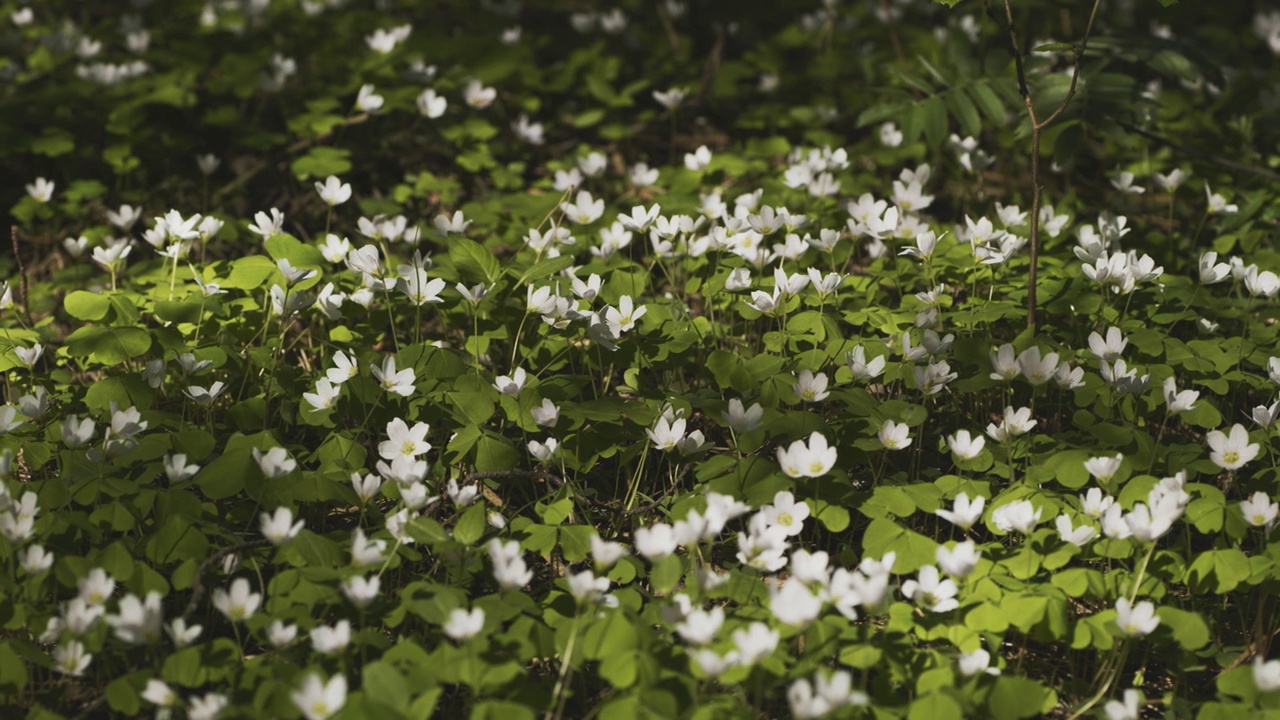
(937, 706)
(1218, 571)
(914, 550)
(1189, 628)
(86, 305)
(226, 475)
(123, 697)
(322, 161)
(249, 273)
(1014, 697)
(53, 143)
(666, 573)
(473, 261)
(544, 268)
(108, 345)
(471, 525)
(298, 253)
(13, 672)
(382, 681)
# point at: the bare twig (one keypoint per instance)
(559, 482)
(673, 38)
(1038, 126)
(197, 585)
(22, 273)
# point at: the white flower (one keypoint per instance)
(71, 658)
(205, 396)
(1136, 620)
(794, 603)
(404, 441)
(41, 190)
(624, 317)
(1231, 452)
(1259, 510)
(586, 588)
(966, 446)
(268, 226)
(1266, 674)
(240, 603)
(461, 496)
(207, 707)
(331, 640)
(333, 191)
(930, 592)
(159, 693)
(861, 369)
(34, 559)
(1016, 422)
(177, 469)
(181, 634)
(275, 462)
(96, 587)
(478, 96)
(543, 451)
(1036, 369)
(1020, 516)
(431, 105)
(319, 700)
(814, 459)
(975, 662)
(29, 356)
(1217, 203)
(755, 643)
(1108, 348)
(1126, 710)
(740, 419)
(464, 625)
(399, 383)
(361, 591)
(279, 526)
(1103, 469)
(965, 513)
(786, 513)
(511, 385)
(324, 397)
(699, 159)
(1078, 536)
(655, 542)
(810, 387)
(606, 553)
(138, 621)
(666, 433)
(699, 627)
(670, 99)
(280, 634)
(714, 664)
(1169, 182)
(894, 436)
(509, 569)
(959, 560)
(369, 101)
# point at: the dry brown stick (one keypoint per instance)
(22, 273)
(197, 585)
(559, 482)
(1037, 128)
(673, 38)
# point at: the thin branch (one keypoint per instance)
(197, 586)
(1037, 128)
(559, 482)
